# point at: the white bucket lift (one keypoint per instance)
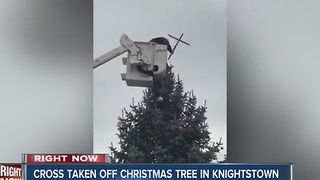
(149, 56)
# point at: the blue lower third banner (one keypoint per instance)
(157, 171)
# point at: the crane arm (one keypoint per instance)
(126, 45)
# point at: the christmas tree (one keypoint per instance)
(167, 126)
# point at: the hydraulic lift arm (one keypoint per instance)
(126, 45)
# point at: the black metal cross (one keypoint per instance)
(178, 41)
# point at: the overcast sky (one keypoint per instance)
(201, 66)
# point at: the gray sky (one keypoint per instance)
(201, 66)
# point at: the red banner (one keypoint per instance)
(10, 172)
(66, 158)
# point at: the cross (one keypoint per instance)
(178, 41)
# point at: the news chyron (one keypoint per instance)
(99, 167)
